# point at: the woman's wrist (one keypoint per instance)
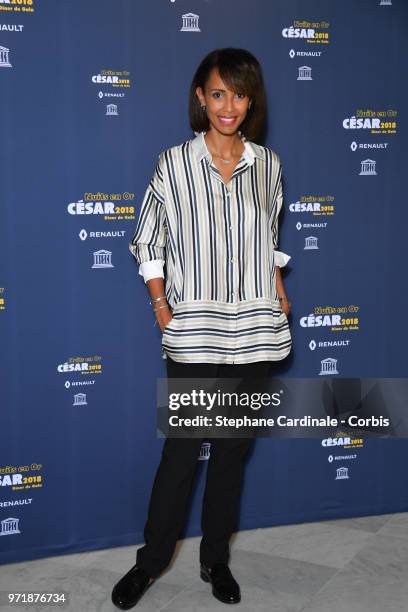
(282, 300)
(155, 300)
(163, 316)
(157, 308)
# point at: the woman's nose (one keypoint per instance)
(229, 104)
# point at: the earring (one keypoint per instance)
(249, 105)
(203, 107)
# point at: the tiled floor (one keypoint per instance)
(347, 565)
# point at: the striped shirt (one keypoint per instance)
(215, 243)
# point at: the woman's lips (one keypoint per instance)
(227, 120)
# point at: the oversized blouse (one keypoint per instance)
(215, 244)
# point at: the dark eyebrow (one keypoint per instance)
(225, 90)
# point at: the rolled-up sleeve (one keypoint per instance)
(281, 258)
(148, 244)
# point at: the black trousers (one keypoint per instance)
(174, 477)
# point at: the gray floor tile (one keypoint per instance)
(278, 574)
(253, 600)
(397, 526)
(375, 580)
(321, 543)
(27, 575)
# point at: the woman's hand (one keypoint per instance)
(284, 302)
(285, 305)
(164, 317)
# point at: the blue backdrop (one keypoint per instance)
(91, 93)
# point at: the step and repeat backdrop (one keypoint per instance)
(91, 92)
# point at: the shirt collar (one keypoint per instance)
(250, 152)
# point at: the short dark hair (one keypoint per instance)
(241, 72)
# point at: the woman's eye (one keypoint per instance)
(217, 94)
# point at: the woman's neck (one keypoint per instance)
(227, 146)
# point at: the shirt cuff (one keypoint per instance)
(151, 269)
(281, 259)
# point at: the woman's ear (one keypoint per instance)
(200, 95)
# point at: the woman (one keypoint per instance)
(206, 243)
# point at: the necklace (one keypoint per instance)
(225, 161)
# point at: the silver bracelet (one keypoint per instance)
(157, 299)
(160, 307)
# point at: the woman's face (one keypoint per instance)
(226, 109)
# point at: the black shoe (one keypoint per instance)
(127, 592)
(224, 586)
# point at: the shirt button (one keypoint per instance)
(228, 194)
(233, 259)
(231, 226)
